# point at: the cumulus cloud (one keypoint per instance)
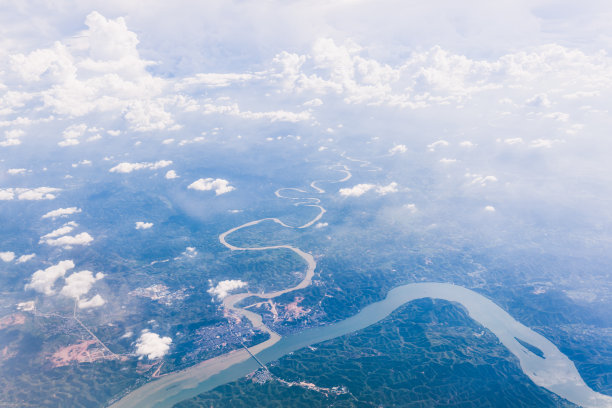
(62, 212)
(7, 256)
(489, 208)
(13, 172)
(398, 149)
(220, 186)
(126, 167)
(440, 143)
(63, 230)
(357, 190)
(67, 241)
(43, 279)
(480, 179)
(30, 194)
(411, 207)
(321, 225)
(12, 137)
(79, 283)
(95, 301)
(140, 225)
(223, 288)
(389, 188)
(171, 174)
(152, 345)
(25, 258)
(360, 189)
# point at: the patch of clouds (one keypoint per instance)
(12, 137)
(440, 143)
(321, 225)
(171, 174)
(152, 345)
(63, 230)
(411, 207)
(25, 258)
(62, 212)
(357, 190)
(126, 167)
(68, 241)
(489, 208)
(13, 172)
(79, 283)
(71, 135)
(95, 301)
(29, 194)
(398, 149)
(43, 280)
(360, 189)
(140, 225)
(59, 238)
(446, 160)
(7, 256)
(544, 143)
(480, 179)
(190, 252)
(220, 186)
(389, 188)
(223, 288)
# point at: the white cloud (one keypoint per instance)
(79, 283)
(140, 225)
(7, 256)
(152, 345)
(25, 258)
(466, 143)
(356, 191)
(71, 135)
(446, 160)
(16, 171)
(95, 301)
(190, 252)
(43, 279)
(440, 143)
(67, 241)
(389, 188)
(12, 137)
(31, 194)
(489, 208)
(321, 225)
(411, 207)
(168, 141)
(544, 143)
(220, 186)
(398, 149)
(513, 141)
(171, 174)
(63, 230)
(62, 212)
(224, 287)
(360, 189)
(126, 167)
(480, 179)
(313, 102)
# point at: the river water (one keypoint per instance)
(554, 372)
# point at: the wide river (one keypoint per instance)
(554, 372)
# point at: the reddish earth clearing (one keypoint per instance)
(86, 351)
(11, 320)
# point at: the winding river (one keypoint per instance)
(553, 371)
